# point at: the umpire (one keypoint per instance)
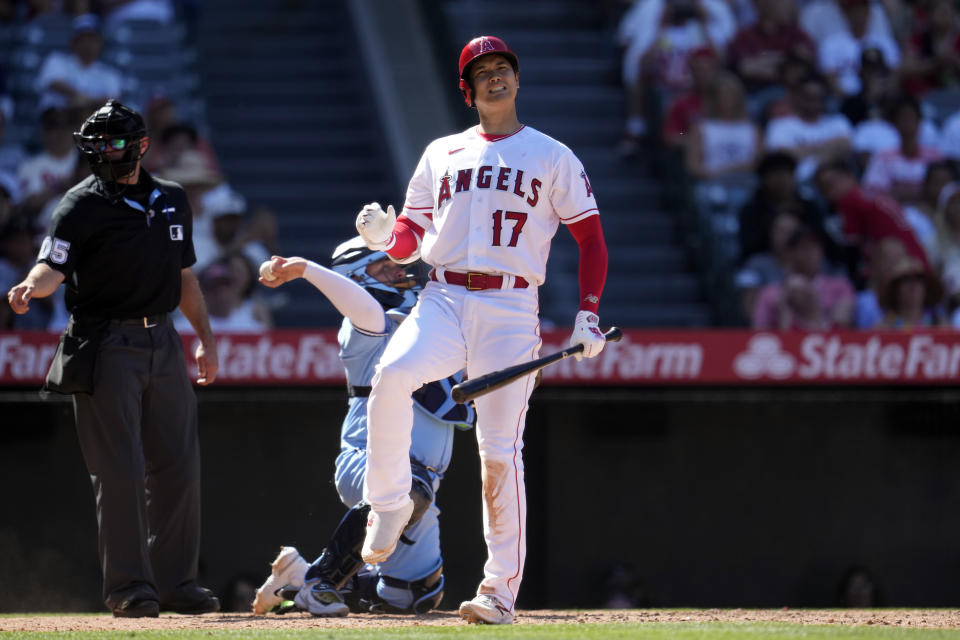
(122, 242)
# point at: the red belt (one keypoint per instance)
(474, 281)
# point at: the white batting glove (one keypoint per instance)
(586, 331)
(375, 225)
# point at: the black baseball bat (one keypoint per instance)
(475, 387)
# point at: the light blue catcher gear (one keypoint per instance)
(411, 580)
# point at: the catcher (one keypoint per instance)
(374, 294)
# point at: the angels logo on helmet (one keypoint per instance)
(352, 258)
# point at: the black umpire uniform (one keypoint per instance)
(121, 249)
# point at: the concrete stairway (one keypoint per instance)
(292, 120)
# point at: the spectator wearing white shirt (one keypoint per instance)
(725, 141)
(950, 136)
(657, 38)
(47, 174)
(840, 53)
(228, 287)
(116, 12)
(78, 74)
(822, 18)
(922, 214)
(873, 132)
(809, 134)
(901, 171)
(227, 230)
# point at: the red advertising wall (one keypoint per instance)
(706, 357)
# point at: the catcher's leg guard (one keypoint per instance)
(421, 490)
(341, 559)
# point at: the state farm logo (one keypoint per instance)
(851, 356)
(764, 357)
(302, 357)
(628, 360)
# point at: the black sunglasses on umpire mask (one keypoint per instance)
(99, 144)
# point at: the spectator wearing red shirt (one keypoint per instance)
(932, 54)
(685, 110)
(758, 50)
(867, 218)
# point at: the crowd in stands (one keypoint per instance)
(821, 140)
(39, 164)
(821, 137)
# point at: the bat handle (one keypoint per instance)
(613, 334)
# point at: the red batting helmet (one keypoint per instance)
(481, 46)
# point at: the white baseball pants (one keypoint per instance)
(451, 329)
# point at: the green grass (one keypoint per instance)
(651, 631)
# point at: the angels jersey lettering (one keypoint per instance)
(497, 202)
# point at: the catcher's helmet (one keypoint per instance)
(115, 127)
(351, 259)
(481, 46)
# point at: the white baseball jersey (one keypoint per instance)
(487, 204)
(491, 204)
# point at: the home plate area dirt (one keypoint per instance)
(909, 618)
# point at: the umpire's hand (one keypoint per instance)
(19, 298)
(207, 363)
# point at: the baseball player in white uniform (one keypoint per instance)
(481, 210)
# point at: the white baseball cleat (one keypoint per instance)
(384, 529)
(321, 600)
(288, 568)
(485, 610)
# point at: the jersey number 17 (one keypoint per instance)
(519, 219)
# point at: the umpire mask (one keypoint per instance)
(113, 128)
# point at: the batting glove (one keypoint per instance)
(375, 225)
(586, 331)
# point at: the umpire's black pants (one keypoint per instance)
(138, 434)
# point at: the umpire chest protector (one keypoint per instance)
(122, 256)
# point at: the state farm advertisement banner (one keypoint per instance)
(681, 357)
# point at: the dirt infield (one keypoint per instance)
(910, 618)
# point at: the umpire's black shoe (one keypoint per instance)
(191, 600)
(137, 606)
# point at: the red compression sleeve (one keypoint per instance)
(405, 239)
(593, 261)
